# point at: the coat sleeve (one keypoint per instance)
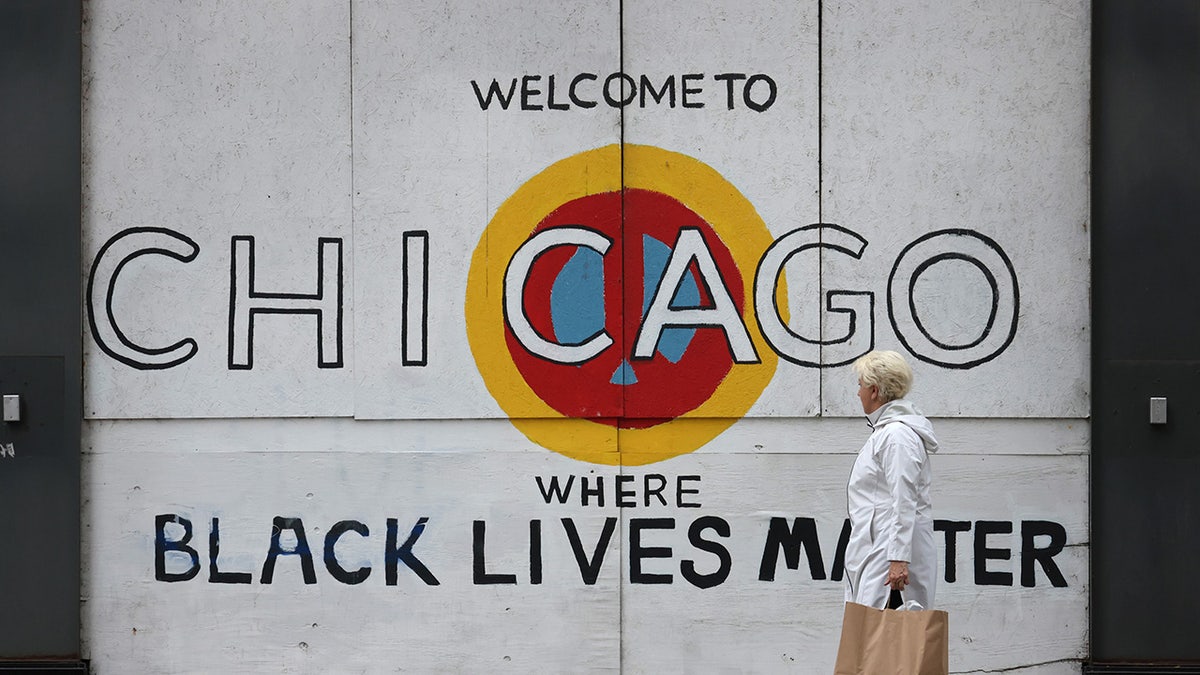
(901, 456)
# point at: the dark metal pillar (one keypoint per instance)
(1145, 492)
(40, 334)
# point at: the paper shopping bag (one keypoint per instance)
(891, 642)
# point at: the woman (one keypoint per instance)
(891, 539)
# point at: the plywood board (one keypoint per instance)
(461, 113)
(753, 118)
(216, 210)
(955, 147)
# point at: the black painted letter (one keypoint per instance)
(589, 568)
(481, 575)
(839, 556)
(162, 545)
(951, 528)
(306, 562)
(803, 534)
(983, 554)
(331, 562)
(688, 567)
(392, 555)
(1030, 553)
(637, 551)
(215, 575)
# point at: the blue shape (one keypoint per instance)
(654, 263)
(577, 298)
(674, 341)
(624, 375)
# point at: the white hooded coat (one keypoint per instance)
(891, 516)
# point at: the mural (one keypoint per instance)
(414, 331)
(799, 536)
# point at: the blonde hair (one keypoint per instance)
(886, 370)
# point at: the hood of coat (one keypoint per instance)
(904, 412)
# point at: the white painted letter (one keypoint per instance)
(415, 299)
(121, 249)
(992, 263)
(245, 303)
(517, 275)
(814, 353)
(723, 314)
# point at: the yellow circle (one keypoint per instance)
(694, 184)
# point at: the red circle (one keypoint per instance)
(664, 388)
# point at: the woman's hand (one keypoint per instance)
(897, 577)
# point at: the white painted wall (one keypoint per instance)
(357, 123)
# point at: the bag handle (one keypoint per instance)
(894, 600)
